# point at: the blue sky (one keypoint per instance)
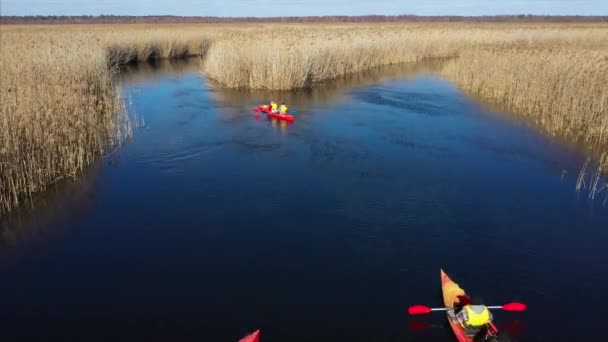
(262, 8)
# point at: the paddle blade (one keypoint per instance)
(257, 110)
(254, 337)
(419, 310)
(514, 307)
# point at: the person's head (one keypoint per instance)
(282, 103)
(476, 300)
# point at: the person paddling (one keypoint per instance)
(273, 107)
(473, 317)
(283, 108)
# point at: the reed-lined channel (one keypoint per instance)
(210, 223)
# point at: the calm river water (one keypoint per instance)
(211, 222)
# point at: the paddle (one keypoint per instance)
(423, 310)
(259, 109)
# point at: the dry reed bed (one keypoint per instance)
(287, 57)
(60, 107)
(561, 89)
(59, 110)
(282, 59)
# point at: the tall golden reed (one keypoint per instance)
(60, 107)
(298, 56)
(59, 111)
(562, 89)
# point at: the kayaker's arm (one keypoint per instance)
(460, 317)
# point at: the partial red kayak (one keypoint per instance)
(285, 117)
(253, 337)
(266, 110)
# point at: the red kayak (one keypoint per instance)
(253, 337)
(267, 111)
(285, 117)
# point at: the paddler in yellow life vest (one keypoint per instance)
(474, 317)
(283, 109)
(274, 107)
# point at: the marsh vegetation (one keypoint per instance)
(61, 108)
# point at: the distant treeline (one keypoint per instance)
(111, 19)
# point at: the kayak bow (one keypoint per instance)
(451, 293)
(253, 337)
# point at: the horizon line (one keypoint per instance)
(307, 16)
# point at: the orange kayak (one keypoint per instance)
(451, 296)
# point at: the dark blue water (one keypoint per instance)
(211, 223)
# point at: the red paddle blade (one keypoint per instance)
(257, 110)
(419, 310)
(514, 307)
(254, 337)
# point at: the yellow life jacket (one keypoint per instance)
(273, 106)
(476, 319)
(283, 109)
